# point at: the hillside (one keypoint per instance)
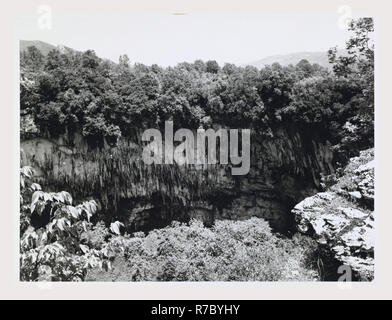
(42, 46)
(293, 58)
(320, 58)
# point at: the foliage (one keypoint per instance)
(357, 68)
(51, 247)
(68, 92)
(59, 243)
(72, 91)
(229, 251)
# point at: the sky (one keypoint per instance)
(167, 39)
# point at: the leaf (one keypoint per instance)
(34, 257)
(36, 187)
(32, 207)
(84, 225)
(59, 197)
(73, 211)
(27, 171)
(58, 212)
(47, 196)
(89, 215)
(67, 197)
(84, 248)
(87, 207)
(40, 207)
(37, 207)
(61, 224)
(115, 227)
(93, 206)
(44, 237)
(36, 196)
(34, 199)
(51, 225)
(90, 207)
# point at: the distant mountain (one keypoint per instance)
(293, 58)
(44, 47)
(285, 59)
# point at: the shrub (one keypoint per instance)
(53, 250)
(229, 251)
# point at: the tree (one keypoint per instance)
(274, 87)
(229, 68)
(55, 59)
(357, 67)
(304, 68)
(32, 58)
(90, 59)
(123, 62)
(212, 66)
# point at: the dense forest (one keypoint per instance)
(67, 92)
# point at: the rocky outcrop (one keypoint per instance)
(341, 219)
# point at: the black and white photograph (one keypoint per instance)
(198, 147)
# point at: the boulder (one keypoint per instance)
(339, 222)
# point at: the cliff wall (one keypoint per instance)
(284, 170)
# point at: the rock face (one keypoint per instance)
(284, 168)
(341, 219)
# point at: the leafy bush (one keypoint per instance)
(59, 243)
(53, 249)
(229, 251)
